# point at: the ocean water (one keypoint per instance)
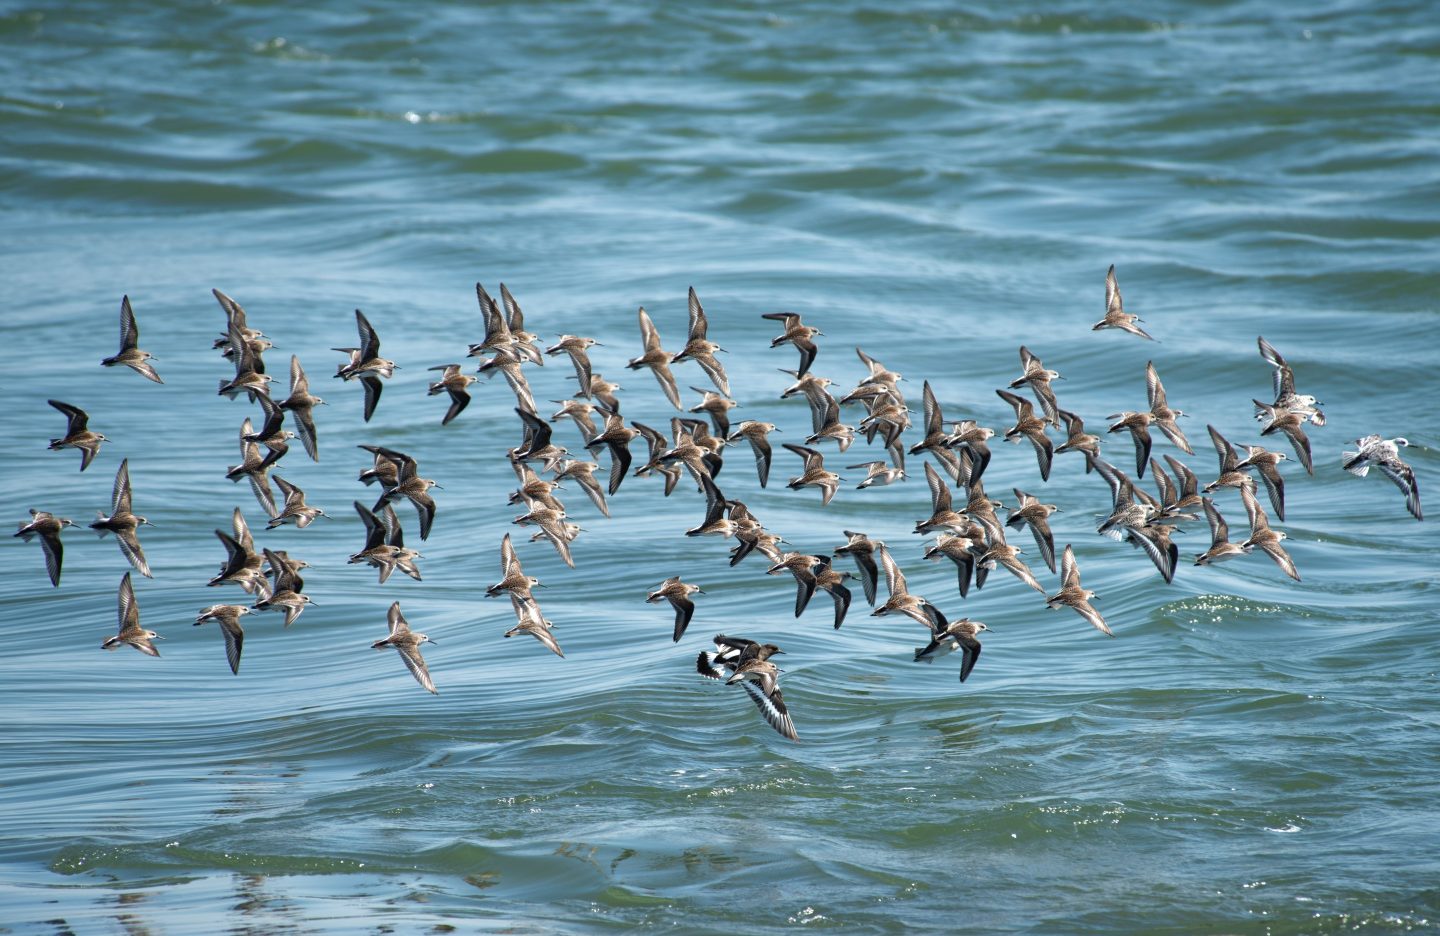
(935, 184)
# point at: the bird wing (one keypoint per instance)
(1153, 388)
(234, 642)
(76, 418)
(894, 578)
(130, 546)
(1069, 570)
(373, 389)
(970, 653)
(1404, 477)
(1219, 529)
(698, 322)
(939, 494)
(416, 664)
(1226, 451)
(772, 707)
(129, 331)
(395, 620)
(369, 341)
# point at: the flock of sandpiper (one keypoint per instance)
(973, 536)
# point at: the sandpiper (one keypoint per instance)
(552, 524)
(979, 508)
(1162, 411)
(1385, 455)
(508, 363)
(1184, 495)
(285, 593)
(943, 515)
(1077, 439)
(581, 413)
(798, 334)
(730, 654)
(937, 441)
(1072, 595)
(453, 383)
(250, 377)
(878, 473)
(947, 637)
(1267, 463)
(1288, 422)
(761, 680)
(755, 432)
(1029, 511)
(271, 435)
(900, 600)
(862, 549)
(659, 447)
(130, 355)
(1221, 548)
(407, 642)
(409, 484)
(656, 358)
(616, 436)
(499, 339)
(537, 444)
(678, 594)
(578, 348)
(1126, 514)
(739, 659)
(242, 565)
(235, 319)
(366, 363)
(602, 392)
(700, 349)
(228, 617)
(1264, 538)
(1154, 540)
(970, 437)
(1302, 405)
(123, 523)
(47, 526)
(530, 621)
(295, 511)
(1231, 475)
(1003, 554)
(77, 434)
(385, 544)
(1115, 314)
(1138, 425)
(716, 522)
(1039, 377)
(300, 403)
(583, 474)
(717, 407)
(963, 549)
(814, 473)
(801, 566)
(1028, 426)
(513, 579)
(131, 633)
(523, 341)
(254, 469)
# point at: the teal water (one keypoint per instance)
(933, 183)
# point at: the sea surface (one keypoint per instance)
(935, 183)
